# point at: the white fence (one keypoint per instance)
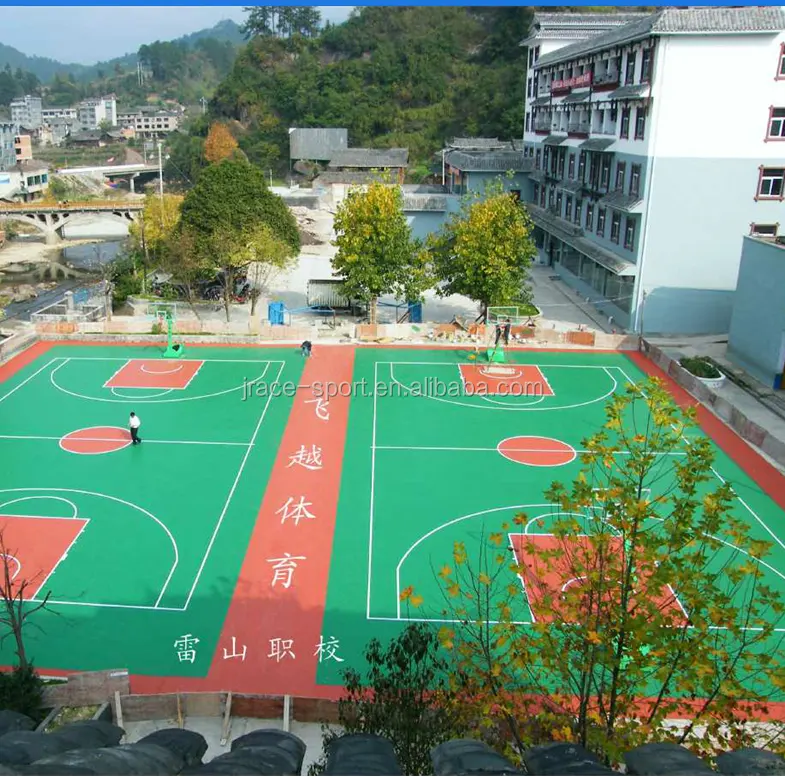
(88, 303)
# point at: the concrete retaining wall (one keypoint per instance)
(16, 343)
(729, 413)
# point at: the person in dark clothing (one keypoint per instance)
(306, 348)
(499, 332)
(507, 328)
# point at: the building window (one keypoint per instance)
(629, 234)
(764, 230)
(589, 216)
(770, 183)
(528, 122)
(615, 226)
(645, 65)
(629, 74)
(537, 159)
(561, 162)
(776, 124)
(571, 167)
(578, 209)
(605, 172)
(781, 64)
(640, 124)
(621, 169)
(558, 202)
(635, 180)
(601, 222)
(542, 197)
(625, 123)
(582, 166)
(568, 208)
(536, 192)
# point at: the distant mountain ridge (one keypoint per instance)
(46, 68)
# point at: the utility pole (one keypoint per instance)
(204, 105)
(160, 174)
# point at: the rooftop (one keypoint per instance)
(489, 161)
(577, 26)
(370, 157)
(479, 144)
(676, 21)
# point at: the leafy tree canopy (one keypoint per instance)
(232, 196)
(376, 252)
(485, 251)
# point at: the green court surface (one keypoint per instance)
(421, 472)
(141, 548)
(161, 530)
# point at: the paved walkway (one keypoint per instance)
(757, 402)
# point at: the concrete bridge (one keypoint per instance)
(51, 218)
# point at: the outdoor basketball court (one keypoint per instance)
(258, 538)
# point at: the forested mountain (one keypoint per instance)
(185, 69)
(394, 76)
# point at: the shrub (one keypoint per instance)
(700, 367)
(22, 690)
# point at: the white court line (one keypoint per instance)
(250, 446)
(502, 407)
(112, 606)
(121, 501)
(440, 620)
(61, 559)
(539, 366)
(160, 372)
(373, 485)
(722, 480)
(520, 450)
(160, 401)
(519, 562)
(49, 498)
(105, 439)
(115, 373)
(161, 393)
(28, 379)
(18, 564)
(141, 358)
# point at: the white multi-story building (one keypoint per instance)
(90, 114)
(8, 133)
(150, 122)
(27, 112)
(58, 113)
(656, 144)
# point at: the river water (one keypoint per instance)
(71, 266)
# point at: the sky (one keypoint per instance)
(89, 34)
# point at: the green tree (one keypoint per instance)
(232, 197)
(404, 696)
(376, 252)
(665, 610)
(151, 233)
(259, 251)
(484, 251)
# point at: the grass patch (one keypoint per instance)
(71, 715)
(700, 367)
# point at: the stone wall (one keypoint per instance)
(16, 343)
(85, 688)
(738, 421)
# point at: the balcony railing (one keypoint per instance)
(578, 128)
(606, 81)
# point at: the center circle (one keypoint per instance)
(95, 440)
(537, 451)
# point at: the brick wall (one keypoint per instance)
(87, 688)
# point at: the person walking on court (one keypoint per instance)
(306, 348)
(134, 423)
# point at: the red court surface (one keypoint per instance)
(541, 581)
(35, 559)
(154, 374)
(512, 380)
(96, 439)
(537, 451)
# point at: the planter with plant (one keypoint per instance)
(704, 369)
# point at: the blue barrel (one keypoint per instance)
(275, 312)
(415, 312)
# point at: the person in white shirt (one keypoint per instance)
(135, 423)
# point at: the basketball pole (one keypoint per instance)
(173, 350)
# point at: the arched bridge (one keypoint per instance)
(50, 218)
